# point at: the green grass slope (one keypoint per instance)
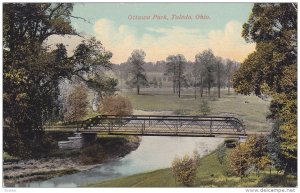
(210, 173)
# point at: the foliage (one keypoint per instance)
(204, 107)
(277, 158)
(116, 105)
(230, 67)
(253, 154)
(137, 72)
(184, 169)
(272, 69)
(204, 69)
(219, 71)
(175, 66)
(32, 72)
(258, 152)
(76, 104)
(239, 160)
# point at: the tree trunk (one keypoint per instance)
(195, 85)
(219, 84)
(201, 88)
(179, 77)
(208, 89)
(137, 85)
(228, 84)
(174, 90)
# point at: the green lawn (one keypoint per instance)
(210, 173)
(251, 109)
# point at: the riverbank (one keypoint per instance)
(68, 162)
(210, 173)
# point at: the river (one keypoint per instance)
(152, 154)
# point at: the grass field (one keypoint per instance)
(251, 109)
(210, 173)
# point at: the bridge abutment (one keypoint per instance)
(78, 141)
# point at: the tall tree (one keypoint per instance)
(31, 72)
(137, 71)
(219, 71)
(171, 69)
(176, 67)
(272, 69)
(205, 66)
(229, 72)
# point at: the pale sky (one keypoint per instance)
(112, 24)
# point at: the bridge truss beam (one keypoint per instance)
(164, 125)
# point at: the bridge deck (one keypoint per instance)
(164, 125)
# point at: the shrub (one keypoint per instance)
(75, 107)
(204, 107)
(184, 170)
(259, 158)
(239, 160)
(116, 105)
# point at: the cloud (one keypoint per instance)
(228, 43)
(158, 43)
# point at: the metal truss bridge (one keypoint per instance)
(153, 125)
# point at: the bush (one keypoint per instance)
(184, 169)
(204, 107)
(116, 105)
(239, 160)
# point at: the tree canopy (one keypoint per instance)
(137, 72)
(272, 68)
(32, 71)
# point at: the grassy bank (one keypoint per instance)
(210, 173)
(251, 109)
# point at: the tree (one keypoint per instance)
(204, 68)
(103, 86)
(32, 72)
(239, 160)
(184, 169)
(258, 152)
(116, 105)
(219, 70)
(136, 62)
(175, 67)
(277, 158)
(229, 72)
(76, 105)
(272, 68)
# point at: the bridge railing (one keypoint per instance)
(165, 124)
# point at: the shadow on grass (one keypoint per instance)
(278, 180)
